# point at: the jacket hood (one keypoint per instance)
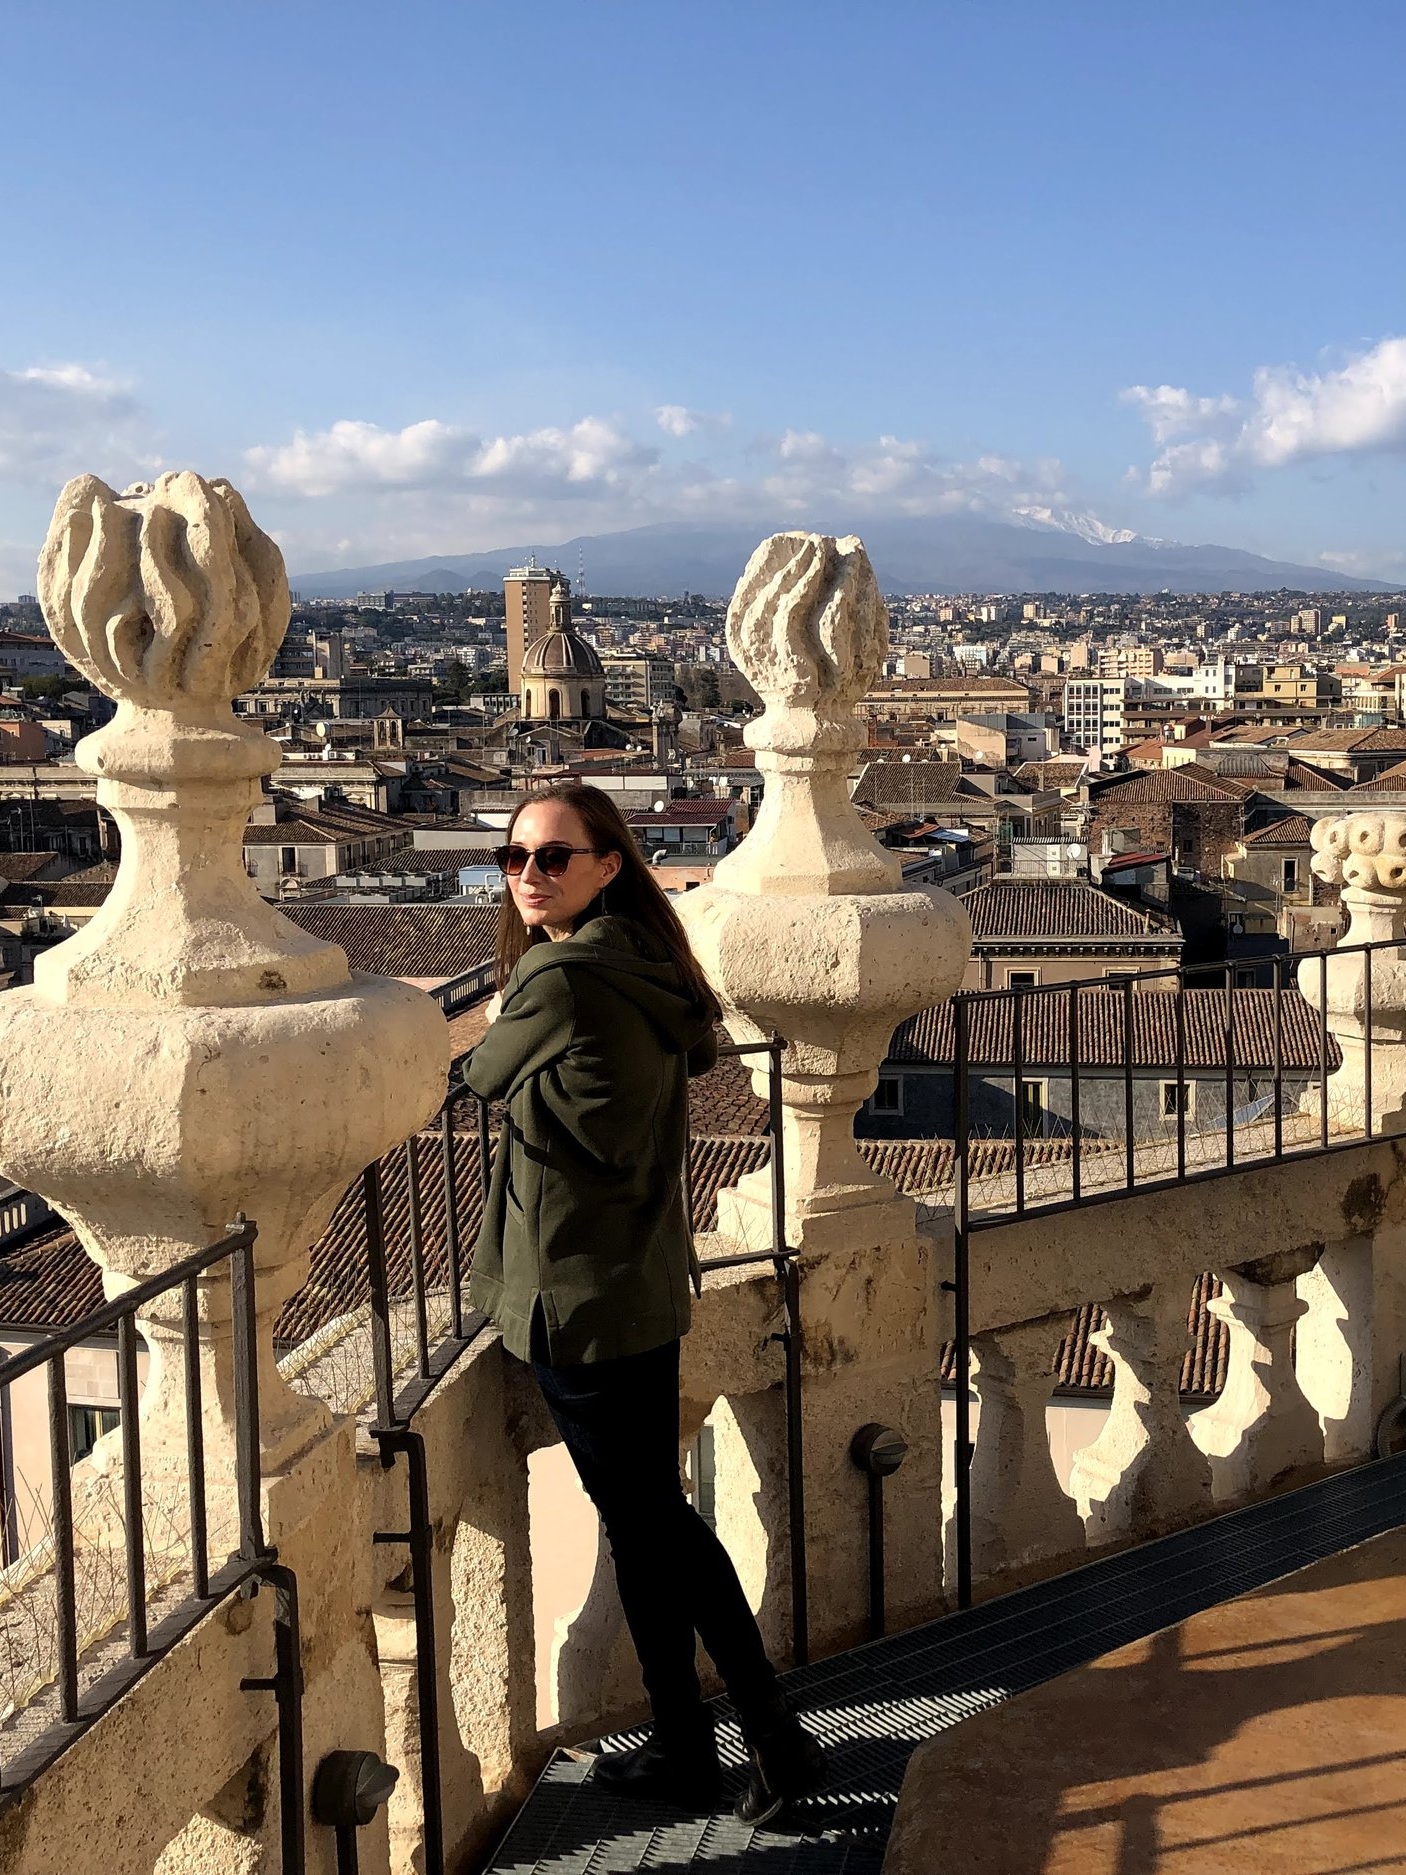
(612, 948)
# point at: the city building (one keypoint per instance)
(527, 603)
(561, 678)
(638, 683)
(1094, 719)
(1031, 933)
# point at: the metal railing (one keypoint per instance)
(80, 1669)
(429, 1360)
(457, 995)
(1268, 1056)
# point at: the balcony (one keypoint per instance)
(328, 1518)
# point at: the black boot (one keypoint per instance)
(677, 1764)
(784, 1762)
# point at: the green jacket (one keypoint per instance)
(587, 1207)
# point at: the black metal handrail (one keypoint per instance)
(1137, 990)
(254, 1560)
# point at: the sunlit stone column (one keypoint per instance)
(190, 1054)
(1366, 855)
(1262, 1432)
(1143, 1474)
(1020, 1516)
(807, 930)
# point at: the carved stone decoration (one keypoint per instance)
(806, 929)
(808, 629)
(191, 1054)
(1366, 855)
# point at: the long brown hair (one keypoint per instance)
(634, 892)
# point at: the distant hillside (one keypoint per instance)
(954, 553)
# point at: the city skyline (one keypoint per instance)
(1143, 273)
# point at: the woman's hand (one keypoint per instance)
(495, 1004)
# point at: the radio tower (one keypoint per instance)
(580, 572)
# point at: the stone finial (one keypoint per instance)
(191, 1054)
(808, 628)
(172, 602)
(806, 928)
(166, 596)
(1363, 851)
(1366, 855)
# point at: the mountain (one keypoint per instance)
(1040, 551)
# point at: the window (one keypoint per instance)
(1178, 1099)
(1022, 979)
(1032, 1108)
(87, 1424)
(887, 1097)
(287, 859)
(1119, 976)
(1291, 875)
(553, 705)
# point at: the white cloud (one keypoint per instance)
(354, 456)
(678, 420)
(58, 420)
(1290, 416)
(435, 485)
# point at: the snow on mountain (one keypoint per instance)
(1084, 526)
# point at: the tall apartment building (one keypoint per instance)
(1094, 715)
(1129, 661)
(527, 599)
(639, 682)
(1310, 620)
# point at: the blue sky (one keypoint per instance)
(439, 277)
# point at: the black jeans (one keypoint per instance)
(619, 1420)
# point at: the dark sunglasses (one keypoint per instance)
(552, 859)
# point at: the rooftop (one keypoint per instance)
(1047, 911)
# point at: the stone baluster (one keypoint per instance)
(1143, 1474)
(1366, 855)
(806, 930)
(1262, 1433)
(1020, 1516)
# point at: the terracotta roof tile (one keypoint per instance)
(1051, 909)
(22, 866)
(1188, 782)
(927, 1038)
(49, 1281)
(1293, 830)
(417, 941)
(913, 785)
(689, 813)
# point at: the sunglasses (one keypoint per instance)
(552, 859)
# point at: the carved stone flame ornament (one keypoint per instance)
(806, 928)
(190, 1053)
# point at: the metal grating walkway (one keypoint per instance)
(873, 1705)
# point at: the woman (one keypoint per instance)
(585, 1262)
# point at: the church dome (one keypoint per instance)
(561, 654)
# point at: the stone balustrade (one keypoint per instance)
(243, 1068)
